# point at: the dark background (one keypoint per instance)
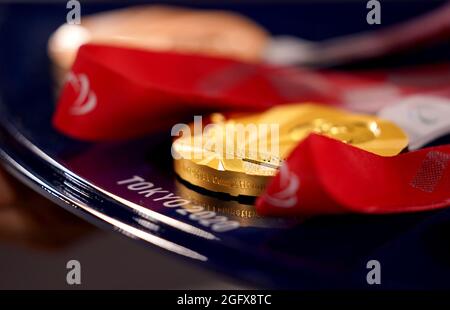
(110, 261)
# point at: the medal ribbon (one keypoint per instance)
(326, 176)
(117, 93)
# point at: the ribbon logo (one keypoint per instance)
(431, 171)
(289, 185)
(86, 100)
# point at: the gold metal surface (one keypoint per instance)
(236, 169)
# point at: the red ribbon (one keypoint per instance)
(115, 93)
(326, 176)
(120, 93)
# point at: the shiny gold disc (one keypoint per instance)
(239, 155)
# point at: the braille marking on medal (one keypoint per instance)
(289, 184)
(86, 100)
(430, 171)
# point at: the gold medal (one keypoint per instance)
(239, 155)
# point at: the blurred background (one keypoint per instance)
(38, 238)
